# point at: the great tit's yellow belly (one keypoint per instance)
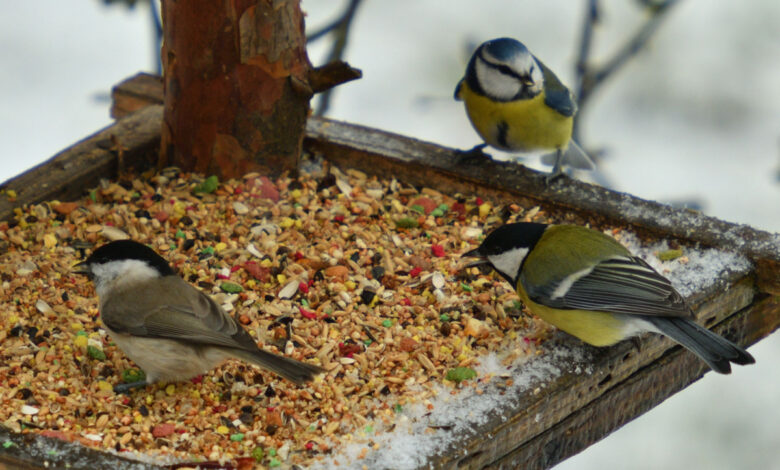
(521, 125)
(595, 328)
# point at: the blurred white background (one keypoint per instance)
(693, 117)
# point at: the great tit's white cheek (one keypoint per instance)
(496, 84)
(509, 261)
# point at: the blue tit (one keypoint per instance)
(587, 284)
(516, 103)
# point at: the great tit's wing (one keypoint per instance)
(556, 95)
(620, 284)
(173, 309)
(456, 95)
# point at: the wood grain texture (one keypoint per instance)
(134, 93)
(34, 452)
(231, 103)
(133, 141)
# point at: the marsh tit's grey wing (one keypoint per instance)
(172, 309)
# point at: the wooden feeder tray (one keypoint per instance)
(542, 426)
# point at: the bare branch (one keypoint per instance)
(340, 29)
(589, 80)
(157, 33)
(586, 40)
(332, 74)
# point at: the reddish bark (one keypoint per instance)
(236, 93)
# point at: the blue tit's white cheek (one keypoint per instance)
(508, 263)
(495, 84)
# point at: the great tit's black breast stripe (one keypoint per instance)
(502, 133)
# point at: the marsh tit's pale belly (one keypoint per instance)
(169, 360)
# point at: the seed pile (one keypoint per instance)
(360, 275)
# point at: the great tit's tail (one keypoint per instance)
(716, 351)
(574, 157)
(292, 370)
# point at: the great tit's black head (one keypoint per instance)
(506, 247)
(504, 69)
(125, 250)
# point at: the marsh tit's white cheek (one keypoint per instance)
(169, 360)
(114, 274)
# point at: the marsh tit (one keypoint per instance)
(170, 329)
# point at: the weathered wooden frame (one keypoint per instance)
(575, 410)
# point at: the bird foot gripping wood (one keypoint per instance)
(473, 155)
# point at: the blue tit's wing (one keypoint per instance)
(574, 157)
(456, 95)
(173, 309)
(556, 95)
(621, 284)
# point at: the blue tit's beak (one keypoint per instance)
(479, 261)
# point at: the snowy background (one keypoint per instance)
(693, 118)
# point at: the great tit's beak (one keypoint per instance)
(480, 261)
(81, 268)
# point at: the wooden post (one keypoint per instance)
(236, 88)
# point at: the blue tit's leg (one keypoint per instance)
(125, 388)
(557, 170)
(472, 155)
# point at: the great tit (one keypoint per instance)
(170, 329)
(516, 103)
(587, 284)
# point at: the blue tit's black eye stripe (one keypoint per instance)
(506, 70)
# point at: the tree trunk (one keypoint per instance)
(236, 90)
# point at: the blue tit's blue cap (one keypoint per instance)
(504, 48)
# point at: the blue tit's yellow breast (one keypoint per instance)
(521, 125)
(593, 327)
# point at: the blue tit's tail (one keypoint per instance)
(574, 157)
(715, 350)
